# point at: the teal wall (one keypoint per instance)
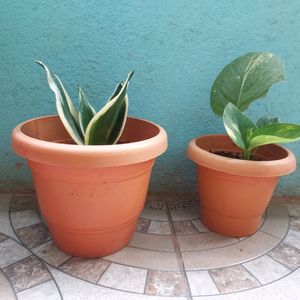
(176, 47)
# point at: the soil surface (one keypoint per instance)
(235, 155)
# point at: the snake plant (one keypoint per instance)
(87, 126)
(242, 81)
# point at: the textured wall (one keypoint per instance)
(177, 47)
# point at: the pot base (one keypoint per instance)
(229, 226)
(92, 244)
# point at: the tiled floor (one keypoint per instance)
(171, 256)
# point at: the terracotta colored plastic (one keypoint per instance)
(234, 193)
(90, 196)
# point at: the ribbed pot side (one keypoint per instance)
(90, 196)
(234, 193)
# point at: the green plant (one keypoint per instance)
(242, 81)
(88, 126)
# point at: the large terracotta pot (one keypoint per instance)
(234, 193)
(90, 196)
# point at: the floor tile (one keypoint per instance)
(165, 283)
(157, 215)
(158, 227)
(124, 278)
(293, 238)
(11, 252)
(43, 291)
(232, 279)
(184, 227)
(23, 202)
(201, 228)
(5, 225)
(185, 214)
(89, 269)
(142, 225)
(6, 290)
(51, 254)
(287, 288)
(203, 241)
(152, 242)
(76, 289)
(2, 237)
(27, 273)
(147, 259)
(201, 283)
(257, 244)
(287, 255)
(295, 223)
(277, 220)
(33, 235)
(293, 206)
(266, 269)
(24, 218)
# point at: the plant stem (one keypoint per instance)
(247, 155)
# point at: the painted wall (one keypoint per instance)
(177, 47)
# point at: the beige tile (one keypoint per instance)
(142, 225)
(201, 283)
(43, 291)
(256, 245)
(26, 273)
(89, 269)
(293, 238)
(287, 255)
(184, 227)
(6, 290)
(158, 227)
(165, 283)
(147, 259)
(124, 278)
(20, 219)
(33, 235)
(233, 279)
(203, 241)
(11, 252)
(152, 242)
(277, 219)
(200, 226)
(51, 254)
(157, 215)
(266, 269)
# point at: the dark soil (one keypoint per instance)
(235, 155)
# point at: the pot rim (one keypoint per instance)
(87, 155)
(270, 168)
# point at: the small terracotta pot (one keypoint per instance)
(234, 193)
(90, 196)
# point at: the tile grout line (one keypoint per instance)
(178, 252)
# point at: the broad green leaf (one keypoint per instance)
(245, 79)
(274, 133)
(238, 126)
(86, 112)
(266, 121)
(62, 106)
(107, 125)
